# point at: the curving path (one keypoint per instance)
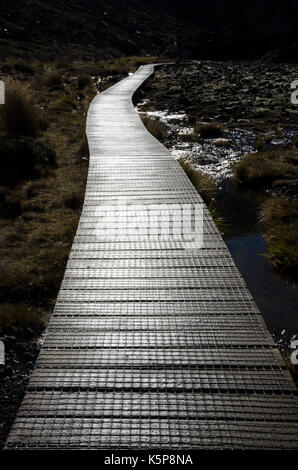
(152, 344)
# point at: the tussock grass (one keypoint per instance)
(225, 143)
(206, 186)
(84, 151)
(203, 131)
(22, 158)
(20, 115)
(156, 127)
(21, 319)
(209, 130)
(38, 217)
(260, 144)
(40, 212)
(50, 78)
(280, 219)
(192, 137)
(65, 103)
(264, 169)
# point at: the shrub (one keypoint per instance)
(21, 158)
(21, 117)
(155, 127)
(210, 130)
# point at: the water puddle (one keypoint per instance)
(277, 300)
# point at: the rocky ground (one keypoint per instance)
(20, 357)
(255, 95)
(252, 101)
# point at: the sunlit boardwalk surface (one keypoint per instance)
(151, 344)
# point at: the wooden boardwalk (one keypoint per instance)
(152, 344)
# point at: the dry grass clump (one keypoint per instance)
(267, 168)
(20, 115)
(156, 127)
(192, 137)
(209, 130)
(204, 131)
(51, 78)
(280, 219)
(65, 103)
(224, 143)
(204, 184)
(84, 151)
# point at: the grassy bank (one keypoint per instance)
(43, 168)
(207, 188)
(280, 220)
(276, 172)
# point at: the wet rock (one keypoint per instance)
(208, 89)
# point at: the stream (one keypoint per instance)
(277, 298)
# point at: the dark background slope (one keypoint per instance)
(101, 28)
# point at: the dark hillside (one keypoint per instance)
(88, 29)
